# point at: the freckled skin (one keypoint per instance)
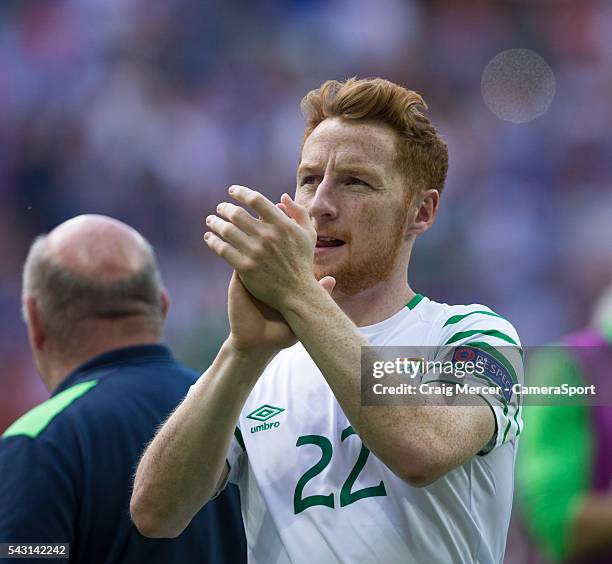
(349, 181)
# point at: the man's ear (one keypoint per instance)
(36, 329)
(425, 212)
(165, 299)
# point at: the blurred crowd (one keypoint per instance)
(146, 110)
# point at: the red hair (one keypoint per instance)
(421, 152)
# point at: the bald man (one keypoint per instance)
(95, 308)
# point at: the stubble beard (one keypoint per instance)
(356, 274)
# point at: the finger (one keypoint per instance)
(258, 202)
(328, 283)
(239, 217)
(282, 208)
(228, 253)
(228, 231)
(295, 211)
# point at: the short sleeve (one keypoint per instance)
(489, 342)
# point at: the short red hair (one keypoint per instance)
(421, 152)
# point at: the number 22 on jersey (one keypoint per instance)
(347, 496)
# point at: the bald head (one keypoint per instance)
(91, 277)
(98, 247)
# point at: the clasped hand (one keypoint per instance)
(272, 254)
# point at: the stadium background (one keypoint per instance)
(146, 110)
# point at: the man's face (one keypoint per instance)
(349, 181)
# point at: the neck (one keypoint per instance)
(377, 303)
(383, 300)
(59, 367)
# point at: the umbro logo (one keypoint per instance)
(263, 413)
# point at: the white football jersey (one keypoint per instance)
(312, 492)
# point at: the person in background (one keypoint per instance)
(564, 476)
(95, 309)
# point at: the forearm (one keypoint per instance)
(418, 442)
(180, 469)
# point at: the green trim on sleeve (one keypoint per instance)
(492, 332)
(508, 426)
(516, 420)
(36, 420)
(555, 456)
(457, 318)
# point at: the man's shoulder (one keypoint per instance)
(40, 448)
(110, 392)
(144, 393)
(36, 421)
(434, 324)
(458, 324)
(134, 365)
(145, 378)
